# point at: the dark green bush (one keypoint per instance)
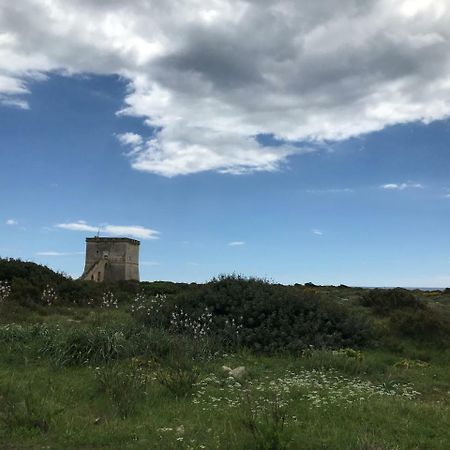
(384, 301)
(422, 325)
(274, 318)
(35, 274)
(24, 293)
(28, 281)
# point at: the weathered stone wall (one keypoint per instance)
(111, 259)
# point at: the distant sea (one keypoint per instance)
(409, 288)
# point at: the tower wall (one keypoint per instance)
(111, 259)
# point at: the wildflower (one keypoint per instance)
(49, 296)
(5, 291)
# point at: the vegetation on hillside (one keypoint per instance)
(235, 363)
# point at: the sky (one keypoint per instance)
(293, 140)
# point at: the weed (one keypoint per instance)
(84, 346)
(179, 379)
(22, 408)
(49, 296)
(5, 291)
(267, 423)
(125, 385)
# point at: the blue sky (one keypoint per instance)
(325, 217)
(214, 172)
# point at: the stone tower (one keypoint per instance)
(111, 259)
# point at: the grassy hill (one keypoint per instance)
(236, 363)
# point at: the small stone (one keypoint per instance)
(238, 372)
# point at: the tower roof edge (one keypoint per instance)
(113, 239)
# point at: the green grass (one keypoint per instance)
(81, 415)
(82, 378)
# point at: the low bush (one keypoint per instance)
(384, 301)
(269, 318)
(422, 325)
(267, 425)
(22, 408)
(179, 379)
(348, 361)
(81, 346)
(124, 384)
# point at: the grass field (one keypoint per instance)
(81, 377)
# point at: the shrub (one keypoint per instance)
(267, 425)
(384, 301)
(36, 274)
(5, 291)
(345, 360)
(272, 318)
(150, 310)
(21, 408)
(179, 379)
(124, 384)
(84, 346)
(424, 325)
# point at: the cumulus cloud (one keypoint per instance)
(11, 222)
(53, 253)
(236, 243)
(317, 232)
(401, 186)
(136, 231)
(210, 77)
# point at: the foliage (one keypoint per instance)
(5, 291)
(179, 379)
(422, 324)
(36, 274)
(124, 384)
(81, 346)
(135, 380)
(273, 318)
(268, 424)
(384, 301)
(21, 408)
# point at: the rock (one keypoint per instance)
(226, 369)
(238, 372)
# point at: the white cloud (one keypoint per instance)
(131, 140)
(11, 222)
(210, 77)
(149, 263)
(14, 102)
(53, 253)
(401, 186)
(317, 232)
(136, 231)
(236, 243)
(80, 225)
